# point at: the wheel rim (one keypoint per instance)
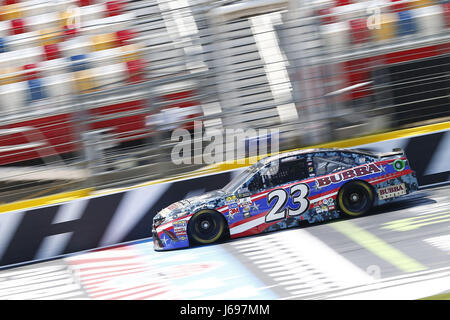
(207, 228)
(356, 199)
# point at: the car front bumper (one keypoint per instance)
(169, 236)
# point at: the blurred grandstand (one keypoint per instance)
(90, 90)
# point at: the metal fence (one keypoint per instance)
(316, 71)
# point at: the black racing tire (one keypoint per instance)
(355, 198)
(206, 227)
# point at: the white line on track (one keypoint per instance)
(440, 242)
(300, 262)
(410, 286)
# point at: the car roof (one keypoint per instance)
(306, 151)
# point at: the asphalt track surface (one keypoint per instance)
(400, 251)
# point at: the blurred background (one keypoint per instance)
(91, 91)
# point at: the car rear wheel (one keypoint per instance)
(205, 227)
(355, 198)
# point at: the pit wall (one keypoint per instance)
(69, 225)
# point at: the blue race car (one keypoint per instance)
(284, 190)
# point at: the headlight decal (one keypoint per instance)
(158, 220)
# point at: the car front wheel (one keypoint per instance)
(205, 227)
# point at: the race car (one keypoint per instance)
(284, 190)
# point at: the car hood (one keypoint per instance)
(209, 196)
(186, 204)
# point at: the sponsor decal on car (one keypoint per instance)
(325, 205)
(230, 199)
(245, 203)
(179, 227)
(392, 191)
(347, 175)
(398, 165)
(233, 205)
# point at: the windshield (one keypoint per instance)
(242, 178)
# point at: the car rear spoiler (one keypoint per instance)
(394, 152)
